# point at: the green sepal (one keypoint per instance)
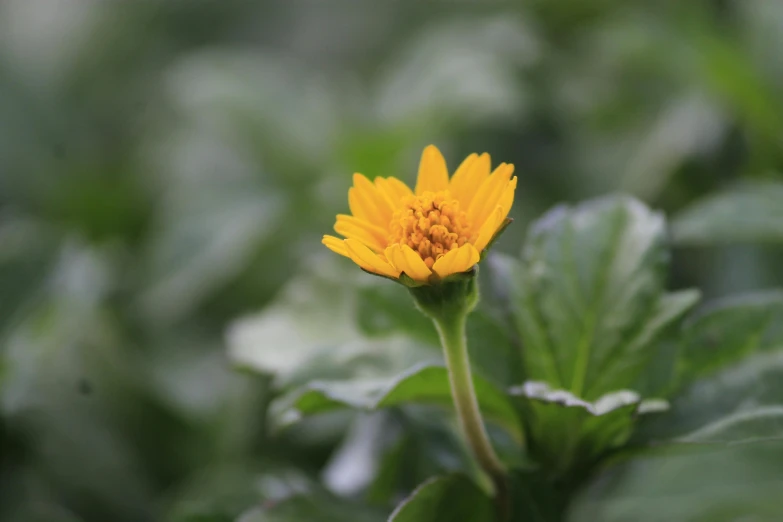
(407, 281)
(455, 294)
(383, 276)
(404, 279)
(460, 276)
(500, 230)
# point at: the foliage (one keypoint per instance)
(176, 345)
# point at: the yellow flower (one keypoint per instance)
(436, 231)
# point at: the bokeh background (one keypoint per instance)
(167, 169)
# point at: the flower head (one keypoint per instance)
(423, 236)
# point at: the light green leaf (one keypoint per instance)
(445, 499)
(588, 297)
(427, 384)
(750, 212)
(330, 331)
(423, 79)
(541, 392)
(730, 329)
(330, 347)
(326, 396)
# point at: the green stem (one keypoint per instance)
(452, 335)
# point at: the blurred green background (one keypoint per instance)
(167, 170)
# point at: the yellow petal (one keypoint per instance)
(489, 228)
(374, 200)
(355, 228)
(433, 174)
(379, 232)
(406, 260)
(361, 207)
(363, 202)
(393, 189)
(367, 259)
(385, 192)
(456, 261)
(458, 179)
(507, 198)
(468, 178)
(335, 244)
(489, 193)
(391, 256)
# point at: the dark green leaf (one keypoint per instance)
(430, 384)
(535, 497)
(422, 384)
(29, 250)
(218, 494)
(752, 212)
(730, 329)
(694, 484)
(738, 404)
(753, 425)
(567, 430)
(385, 310)
(669, 308)
(445, 499)
(389, 453)
(311, 508)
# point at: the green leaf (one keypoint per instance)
(757, 424)
(739, 404)
(541, 392)
(567, 430)
(669, 308)
(385, 310)
(445, 499)
(28, 253)
(216, 494)
(425, 384)
(537, 498)
(389, 453)
(750, 212)
(388, 309)
(588, 297)
(729, 330)
(694, 484)
(329, 348)
(318, 507)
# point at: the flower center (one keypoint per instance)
(431, 224)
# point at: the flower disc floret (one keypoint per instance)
(431, 224)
